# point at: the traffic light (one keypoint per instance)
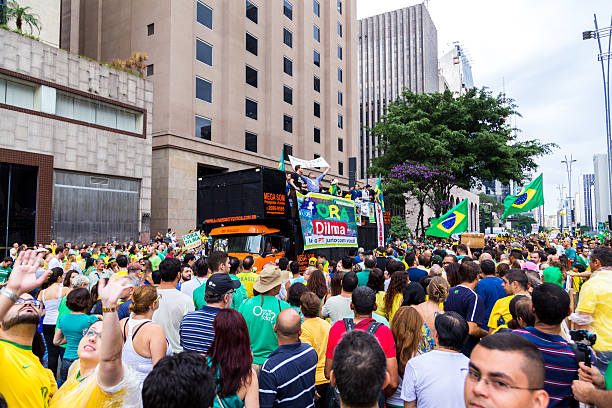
(587, 35)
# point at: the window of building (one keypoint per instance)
(251, 76)
(150, 29)
(340, 121)
(339, 52)
(203, 127)
(287, 94)
(203, 89)
(251, 44)
(317, 135)
(287, 151)
(287, 123)
(251, 12)
(205, 15)
(339, 6)
(316, 58)
(288, 9)
(250, 142)
(317, 84)
(150, 70)
(316, 156)
(203, 52)
(339, 75)
(340, 144)
(317, 109)
(339, 29)
(340, 168)
(316, 32)
(288, 38)
(287, 66)
(250, 108)
(316, 8)
(339, 98)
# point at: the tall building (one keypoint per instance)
(397, 50)
(456, 70)
(602, 187)
(237, 84)
(48, 14)
(587, 187)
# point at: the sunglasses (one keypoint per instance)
(33, 302)
(91, 333)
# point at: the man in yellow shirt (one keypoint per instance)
(515, 283)
(24, 382)
(247, 276)
(594, 310)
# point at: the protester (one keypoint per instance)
(312, 182)
(248, 277)
(437, 292)
(218, 262)
(393, 297)
(338, 307)
(415, 273)
(173, 305)
(593, 388)
(132, 282)
(489, 288)
(200, 268)
(369, 264)
(287, 377)
(515, 282)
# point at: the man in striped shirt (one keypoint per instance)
(551, 305)
(287, 377)
(196, 330)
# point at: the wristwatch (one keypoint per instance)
(109, 309)
(9, 294)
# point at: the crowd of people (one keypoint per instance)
(523, 322)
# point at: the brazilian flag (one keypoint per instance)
(530, 197)
(453, 222)
(281, 163)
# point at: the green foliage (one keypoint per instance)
(13, 11)
(7, 28)
(399, 229)
(523, 223)
(488, 204)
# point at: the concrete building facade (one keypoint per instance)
(397, 50)
(237, 84)
(75, 147)
(587, 198)
(602, 187)
(456, 70)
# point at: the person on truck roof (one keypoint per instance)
(312, 182)
(296, 180)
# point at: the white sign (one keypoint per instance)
(535, 228)
(308, 164)
(192, 240)
(380, 224)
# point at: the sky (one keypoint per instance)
(534, 51)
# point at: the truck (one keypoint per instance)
(250, 212)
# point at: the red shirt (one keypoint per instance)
(383, 334)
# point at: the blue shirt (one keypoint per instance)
(313, 184)
(560, 364)
(197, 333)
(287, 377)
(490, 289)
(416, 274)
(468, 304)
(123, 310)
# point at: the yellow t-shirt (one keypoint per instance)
(248, 279)
(381, 310)
(596, 299)
(315, 332)
(24, 382)
(118, 275)
(501, 310)
(85, 392)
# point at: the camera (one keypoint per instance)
(583, 340)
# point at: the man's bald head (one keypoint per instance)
(288, 326)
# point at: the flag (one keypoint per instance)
(530, 197)
(379, 194)
(453, 222)
(281, 163)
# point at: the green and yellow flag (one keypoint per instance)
(379, 194)
(281, 163)
(530, 197)
(453, 222)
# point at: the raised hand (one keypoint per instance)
(110, 292)
(23, 277)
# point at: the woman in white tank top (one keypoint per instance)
(144, 341)
(51, 297)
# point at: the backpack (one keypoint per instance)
(349, 325)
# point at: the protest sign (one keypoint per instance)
(192, 240)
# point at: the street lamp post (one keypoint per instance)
(599, 33)
(568, 168)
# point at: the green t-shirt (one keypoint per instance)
(72, 326)
(608, 377)
(155, 261)
(62, 310)
(260, 319)
(552, 274)
(237, 299)
(363, 277)
(4, 274)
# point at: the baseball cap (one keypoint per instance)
(220, 284)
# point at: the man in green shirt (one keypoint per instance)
(219, 262)
(155, 260)
(363, 276)
(5, 269)
(260, 313)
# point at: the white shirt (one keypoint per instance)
(54, 263)
(435, 379)
(336, 308)
(173, 306)
(191, 285)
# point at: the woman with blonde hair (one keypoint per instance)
(437, 292)
(406, 327)
(144, 342)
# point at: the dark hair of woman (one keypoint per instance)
(317, 284)
(452, 274)
(336, 283)
(376, 281)
(399, 280)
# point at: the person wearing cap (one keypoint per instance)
(197, 332)
(333, 188)
(260, 313)
(312, 182)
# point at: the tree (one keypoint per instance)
(523, 223)
(488, 205)
(399, 229)
(21, 15)
(467, 136)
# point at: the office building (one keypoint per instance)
(397, 50)
(237, 84)
(48, 15)
(75, 147)
(456, 70)
(587, 198)
(602, 187)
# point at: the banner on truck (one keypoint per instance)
(308, 164)
(192, 240)
(327, 221)
(380, 225)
